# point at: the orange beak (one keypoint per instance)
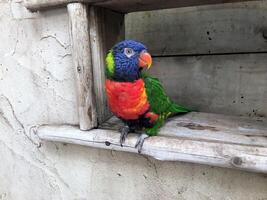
(145, 60)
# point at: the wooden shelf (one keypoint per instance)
(126, 6)
(211, 139)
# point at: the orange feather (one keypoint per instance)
(127, 100)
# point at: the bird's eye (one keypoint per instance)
(128, 52)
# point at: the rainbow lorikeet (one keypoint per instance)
(135, 97)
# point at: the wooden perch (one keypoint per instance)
(125, 6)
(202, 138)
(81, 53)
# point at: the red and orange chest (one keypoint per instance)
(127, 100)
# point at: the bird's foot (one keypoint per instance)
(140, 142)
(124, 132)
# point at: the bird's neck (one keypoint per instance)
(126, 75)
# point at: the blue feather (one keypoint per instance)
(127, 69)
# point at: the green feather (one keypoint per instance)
(110, 64)
(159, 103)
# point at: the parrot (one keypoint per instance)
(134, 96)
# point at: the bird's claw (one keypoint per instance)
(124, 132)
(140, 141)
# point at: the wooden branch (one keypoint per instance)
(179, 146)
(81, 53)
(106, 29)
(126, 6)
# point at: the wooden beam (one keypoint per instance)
(195, 140)
(106, 29)
(126, 6)
(81, 53)
(35, 5)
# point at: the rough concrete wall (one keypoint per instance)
(37, 87)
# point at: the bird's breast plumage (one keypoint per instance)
(127, 100)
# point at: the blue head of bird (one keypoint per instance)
(126, 60)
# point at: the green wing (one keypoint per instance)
(160, 103)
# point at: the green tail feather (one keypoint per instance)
(178, 109)
(157, 124)
(159, 103)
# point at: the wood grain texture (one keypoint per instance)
(106, 29)
(217, 29)
(226, 84)
(195, 140)
(81, 53)
(210, 127)
(125, 6)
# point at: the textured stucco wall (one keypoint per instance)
(37, 87)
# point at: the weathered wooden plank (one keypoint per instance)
(81, 53)
(106, 29)
(227, 84)
(217, 29)
(210, 127)
(35, 5)
(251, 158)
(125, 6)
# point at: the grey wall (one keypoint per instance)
(228, 28)
(37, 87)
(210, 58)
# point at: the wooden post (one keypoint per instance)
(81, 52)
(106, 29)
